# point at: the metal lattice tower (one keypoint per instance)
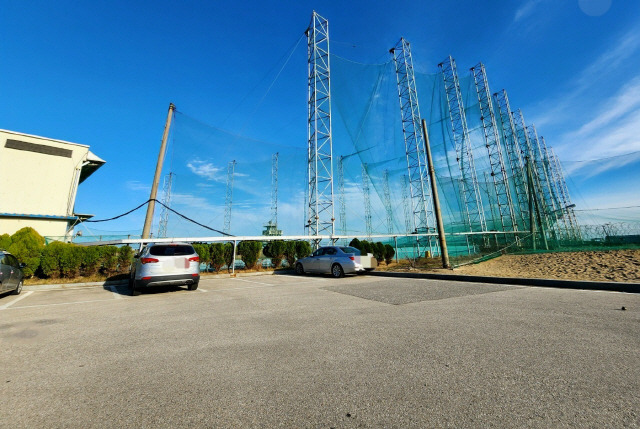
(555, 187)
(387, 201)
(274, 189)
(492, 142)
(473, 210)
(166, 203)
(566, 199)
(320, 214)
(423, 219)
(229, 198)
(406, 204)
(509, 136)
(550, 209)
(366, 192)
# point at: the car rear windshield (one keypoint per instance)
(350, 250)
(171, 250)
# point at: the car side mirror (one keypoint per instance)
(22, 265)
(136, 256)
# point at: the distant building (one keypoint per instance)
(271, 229)
(39, 180)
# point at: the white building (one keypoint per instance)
(39, 179)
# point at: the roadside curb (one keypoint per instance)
(57, 286)
(551, 283)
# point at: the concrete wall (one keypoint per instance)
(38, 176)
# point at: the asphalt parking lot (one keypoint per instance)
(319, 352)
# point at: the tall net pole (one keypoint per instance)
(473, 210)
(229, 197)
(423, 219)
(320, 214)
(166, 203)
(341, 198)
(274, 189)
(406, 205)
(550, 207)
(505, 210)
(366, 192)
(555, 187)
(387, 201)
(509, 136)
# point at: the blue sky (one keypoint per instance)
(103, 73)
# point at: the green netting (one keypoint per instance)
(367, 132)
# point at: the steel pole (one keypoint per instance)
(436, 200)
(156, 178)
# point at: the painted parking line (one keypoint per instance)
(258, 283)
(56, 304)
(202, 290)
(10, 303)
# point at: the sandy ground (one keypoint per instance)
(613, 265)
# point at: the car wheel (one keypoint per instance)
(135, 291)
(337, 271)
(299, 269)
(18, 289)
(193, 286)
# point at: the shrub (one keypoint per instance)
(303, 249)
(389, 253)
(125, 258)
(5, 241)
(290, 252)
(27, 246)
(216, 255)
(378, 251)
(109, 256)
(228, 255)
(50, 259)
(249, 252)
(91, 260)
(275, 250)
(70, 260)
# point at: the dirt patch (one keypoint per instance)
(613, 265)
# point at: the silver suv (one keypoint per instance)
(165, 264)
(11, 275)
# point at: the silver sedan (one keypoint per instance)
(335, 260)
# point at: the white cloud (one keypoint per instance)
(526, 10)
(135, 185)
(206, 170)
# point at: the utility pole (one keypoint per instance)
(444, 253)
(156, 178)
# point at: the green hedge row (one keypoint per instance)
(59, 259)
(217, 255)
(382, 252)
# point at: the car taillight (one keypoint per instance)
(353, 258)
(194, 259)
(149, 260)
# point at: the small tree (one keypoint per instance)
(290, 252)
(5, 241)
(303, 249)
(249, 252)
(216, 252)
(378, 251)
(365, 247)
(228, 255)
(275, 250)
(203, 252)
(27, 246)
(125, 258)
(355, 243)
(389, 253)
